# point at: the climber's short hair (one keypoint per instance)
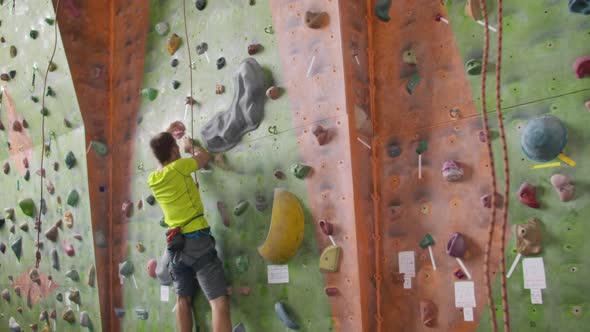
(162, 145)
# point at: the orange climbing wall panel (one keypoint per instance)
(319, 98)
(427, 205)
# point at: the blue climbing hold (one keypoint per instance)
(543, 138)
(579, 6)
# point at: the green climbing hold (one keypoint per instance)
(300, 171)
(413, 83)
(241, 208)
(175, 85)
(27, 206)
(126, 268)
(34, 34)
(49, 21)
(73, 198)
(150, 93)
(382, 10)
(163, 222)
(473, 67)
(35, 99)
(17, 247)
(242, 264)
(101, 148)
(426, 241)
(50, 92)
(70, 160)
(52, 67)
(422, 147)
(27, 175)
(45, 111)
(74, 275)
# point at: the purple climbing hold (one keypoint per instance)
(5, 294)
(321, 134)
(456, 246)
(85, 319)
(2, 247)
(452, 171)
(51, 233)
(119, 312)
(459, 274)
(393, 150)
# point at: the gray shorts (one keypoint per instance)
(188, 276)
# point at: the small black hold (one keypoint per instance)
(34, 34)
(175, 84)
(201, 4)
(202, 48)
(174, 62)
(393, 150)
(50, 92)
(151, 200)
(220, 63)
(12, 73)
(35, 99)
(45, 111)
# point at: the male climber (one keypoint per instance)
(178, 195)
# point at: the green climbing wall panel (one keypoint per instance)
(14, 30)
(228, 28)
(541, 41)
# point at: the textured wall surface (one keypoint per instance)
(18, 105)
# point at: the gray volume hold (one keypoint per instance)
(225, 129)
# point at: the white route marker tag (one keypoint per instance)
(465, 294)
(278, 274)
(536, 296)
(164, 293)
(407, 282)
(468, 314)
(407, 263)
(534, 273)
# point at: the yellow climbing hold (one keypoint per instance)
(548, 165)
(566, 160)
(330, 258)
(286, 228)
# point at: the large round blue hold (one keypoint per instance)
(543, 138)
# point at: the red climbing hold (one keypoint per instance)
(17, 126)
(331, 291)
(68, 248)
(527, 195)
(151, 267)
(273, 92)
(582, 66)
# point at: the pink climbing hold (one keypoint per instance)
(68, 248)
(177, 129)
(126, 208)
(563, 186)
(151, 267)
(527, 195)
(223, 213)
(17, 126)
(582, 66)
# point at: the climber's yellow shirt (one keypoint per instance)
(178, 195)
